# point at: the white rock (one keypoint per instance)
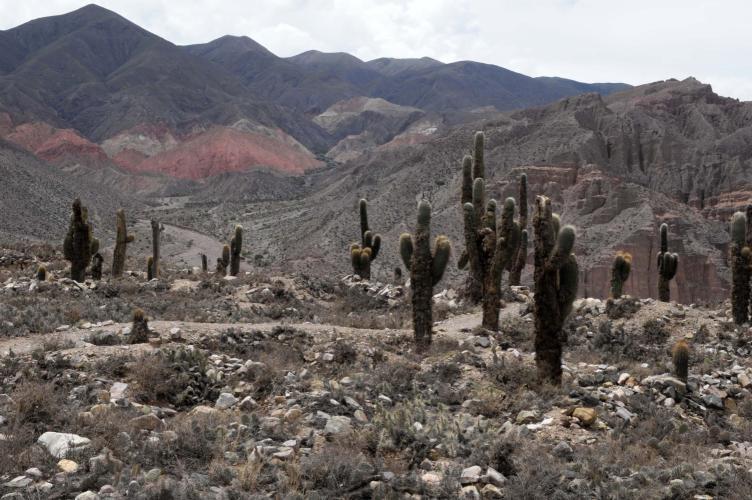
(60, 443)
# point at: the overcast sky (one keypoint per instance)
(634, 41)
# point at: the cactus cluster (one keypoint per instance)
(520, 259)
(362, 254)
(426, 269)
(667, 265)
(121, 241)
(741, 259)
(620, 270)
(556, 280)
(236, 246)
(79, 245)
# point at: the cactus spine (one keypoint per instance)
(78, 243)
(224, 261)
(667, 264)
(556, 277)
(121, 241)
(740, 268)
(361, 255)
(156, 231)
(520, 258)
(620, 269)
(473, 191)
(680, 355)
(236, 245)
(426, 270)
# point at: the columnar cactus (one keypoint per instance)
(473, 191)
(139, 329)
(78, 242)
(204, 263)
(121, 241)
(667, 264)
(556, 278)
(680, 355)
(520, 259)
(740, 268)
(620, 269)
(361, 255)
(96, 266)
(496, 250)
(156, 231)
(223, 261)
(236, 245)
(426, 270)
(150, 268)
(41, 273)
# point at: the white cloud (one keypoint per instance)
(588, 40)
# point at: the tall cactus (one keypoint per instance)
(520, 258)
(473, 191)
(740, 268)
(426, 270)
(204, 263)
(556, 279)
(236, 245)
(620, 270)
(121, 241)
(667, 264)
(78, 242)
(361, 255)
(156, 232)
(496, 250)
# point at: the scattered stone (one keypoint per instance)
(470, 475)
(337, 425)
(586, 416)
(19, 482)
(225, 401)
(67, 466)
(59, 444)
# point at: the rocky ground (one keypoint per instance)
(282, 387)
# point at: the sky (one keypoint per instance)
(636, 41)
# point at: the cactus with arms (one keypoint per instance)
(520, 259)
(236, 245)
(366, 252)
(667, 264)
(473, 191)
(620, 270)
(121, 241)
(426, 270)
(740, 268)
(556, 277)
(77, 246)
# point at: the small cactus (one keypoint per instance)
(740, 256)
(150, 268)
(204, 263)
(139, 328)
(361, 255)
(680, 355)
(556, 279)
(236, 245)
(96, 266)
(224, 261)
(620, 269)
(667, 265)
(41, 273)
(426, 270)
(78, 242)
(520, 258)
(121, 242)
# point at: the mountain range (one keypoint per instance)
(227, 132)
